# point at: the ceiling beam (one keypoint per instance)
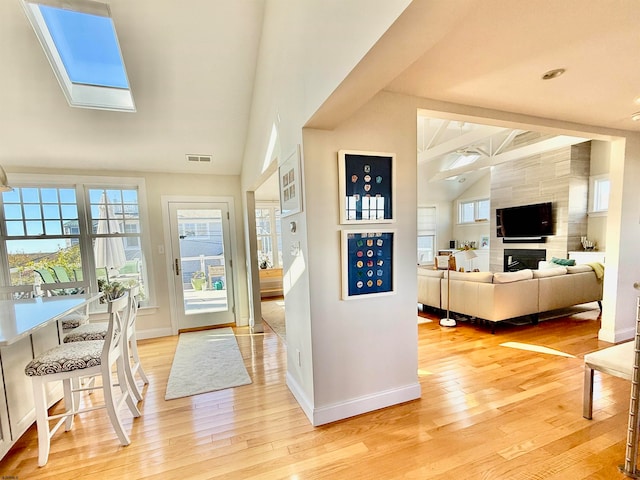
(474, 136)
(537, 148)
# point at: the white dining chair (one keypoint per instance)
(98, 330)
(72, 362)
(131, 355)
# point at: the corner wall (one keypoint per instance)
(364, 350)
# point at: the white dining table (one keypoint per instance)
(20, 318)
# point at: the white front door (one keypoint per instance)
(202, 266)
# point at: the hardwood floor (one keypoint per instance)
(488, 411)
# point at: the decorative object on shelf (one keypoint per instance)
(290, 184)
(367, 263)
(468, 255)
(587, 244)
(198, 280)
(366, 184)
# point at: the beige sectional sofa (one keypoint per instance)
(500, 296)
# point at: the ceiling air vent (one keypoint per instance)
(199, 158)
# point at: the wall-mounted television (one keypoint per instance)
(525, 221)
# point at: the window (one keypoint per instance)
(471, 211)
(80, 42)
(599, 189)
(92, 233)
(268, 235)
(426, 234)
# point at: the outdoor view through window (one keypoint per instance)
(48, 238)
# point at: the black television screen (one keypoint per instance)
(525, 221)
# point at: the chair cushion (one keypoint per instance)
(74, 320)
(66, 358)
(88, 331)
(616, 360)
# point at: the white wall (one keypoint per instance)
(302, 60)
(364, 350)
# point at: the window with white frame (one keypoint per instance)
(471, 211)
(599, 190)
(268, 235)
(426, 235)
(92, 233)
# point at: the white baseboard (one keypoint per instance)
(353, 407)
(153, 333)
(300, 397)
(368, 403)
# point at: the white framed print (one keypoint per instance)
(290, 185)
(367, 186)
(368, 258)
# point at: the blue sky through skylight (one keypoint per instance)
(88, 47)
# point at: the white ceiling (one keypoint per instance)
(191, 65)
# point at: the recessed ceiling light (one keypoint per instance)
(555, 73)
(636, 117)
(637, 100)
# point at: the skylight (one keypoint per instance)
(80, 41)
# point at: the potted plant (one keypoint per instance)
(110, 290)
(198, 280)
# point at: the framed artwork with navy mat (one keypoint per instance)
(366, 184)
(367, 263)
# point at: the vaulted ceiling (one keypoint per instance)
(192, 66)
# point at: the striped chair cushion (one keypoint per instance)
(66, 358)
(88, 331)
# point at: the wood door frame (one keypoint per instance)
(165, 201)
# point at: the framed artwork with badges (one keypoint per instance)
(366, 184)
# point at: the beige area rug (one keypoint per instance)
(273, 315)
(206, 361)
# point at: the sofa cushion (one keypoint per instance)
(563, 261)
(508, 277)
(549, 272)
(579, 268)
(429, 272)
(481, 277)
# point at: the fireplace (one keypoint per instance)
(521, 258)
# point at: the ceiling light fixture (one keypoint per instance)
(635, 117)
(555, 73)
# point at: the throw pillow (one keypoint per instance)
(563, 261)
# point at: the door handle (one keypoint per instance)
(177, 267)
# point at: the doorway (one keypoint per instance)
(202, 266)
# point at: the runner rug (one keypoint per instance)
(206, 361)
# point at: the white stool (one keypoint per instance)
(617, 361)
(71, 362)
(98, 331)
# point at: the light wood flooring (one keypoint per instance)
(487, 411)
